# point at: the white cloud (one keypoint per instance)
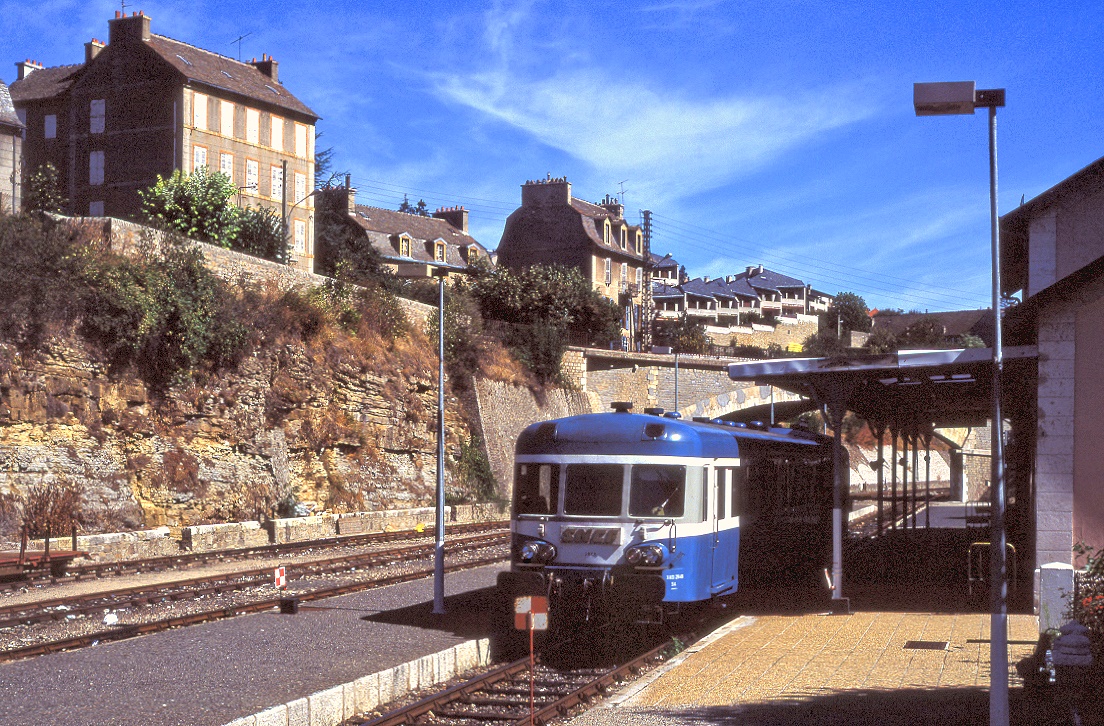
(672, 144)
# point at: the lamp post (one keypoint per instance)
(286, 212)
(957, 98)
(421, 270)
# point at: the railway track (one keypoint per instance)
(502, 695)
(193, 559)
(61, 609)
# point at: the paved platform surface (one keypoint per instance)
(824, 669)
(211, 674)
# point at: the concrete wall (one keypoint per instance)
(1088, 461)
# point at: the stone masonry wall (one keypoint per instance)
(506, 410)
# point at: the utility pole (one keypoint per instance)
(647, 306)
(283, 200)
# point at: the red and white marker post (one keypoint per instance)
(280, 578)
(531, 613)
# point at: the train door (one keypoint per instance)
(726, 543)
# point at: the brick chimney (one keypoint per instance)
(267, 66)
(456, 216)
(92, 49)
(548, 192)
(614, 206)
(26, 67)
(124, 29)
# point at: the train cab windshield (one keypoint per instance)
(537, 488)
(594, 490)
(657, 491)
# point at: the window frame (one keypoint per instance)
(252, 126)
(609, 271)
(223, 157)
(277, 173)
(276, 132)
(226, 108)
(199, 111)
(254, 166)
(97, 116)
(96, 163)
(197, 151)
(49, 126)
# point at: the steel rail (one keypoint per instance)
(463, 693)
(51, 610)
(129, 631)
(164, 562)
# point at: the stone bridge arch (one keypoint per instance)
(648, 379)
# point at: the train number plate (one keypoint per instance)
(591, 535)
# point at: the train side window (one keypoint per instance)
(736, 478)
(594, 489)
(721, 493)
(657, 491)
(537, 488)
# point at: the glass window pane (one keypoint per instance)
(721, 514)
(594, 489)
(657, 491)
(537, 488)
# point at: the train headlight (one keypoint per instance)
(648, 555)
(537, 551)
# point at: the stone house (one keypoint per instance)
(143, 105)
(11, 153)
(552, 227)
(1053, 254)
(441, 238)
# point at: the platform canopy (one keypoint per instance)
(936, 387)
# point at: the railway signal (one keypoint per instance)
(281, 578)
(531, 613)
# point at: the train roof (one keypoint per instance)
(650, 434)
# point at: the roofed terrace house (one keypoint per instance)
(143, 105)
(440, 239)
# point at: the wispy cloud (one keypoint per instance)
(680, 143)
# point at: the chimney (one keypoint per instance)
(134, 28)
(759, 271)
(456, 216)
(92, 49)
(267, 66)
(548, 192)
(730, 279)
(614, 206)
(26, 67)
(705, 278)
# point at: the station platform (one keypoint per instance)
(864, 668)
(212, 674)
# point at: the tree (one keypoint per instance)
(686, 335)
(261, 233)
(44, 191)
(823, 343)
(923, 334)
(196, 205)
(325, 175)
(342, 251)
(881, 341)
(546, 302)
(406, 207)
(422, 209)
(849, 311)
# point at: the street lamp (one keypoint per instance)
(423, 270)
(285, 212)
(954, 98)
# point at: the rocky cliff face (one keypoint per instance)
(292, 427)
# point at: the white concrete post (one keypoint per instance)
(1055, 586)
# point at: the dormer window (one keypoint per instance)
(606, 232)
(404, 245)
(639, 243)
(439, 251)
(624, 238)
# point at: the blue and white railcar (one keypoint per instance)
(637, 515)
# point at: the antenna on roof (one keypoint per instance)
(123, 4)
(238, 40)
(622, 192)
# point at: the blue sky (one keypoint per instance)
(779, 133)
